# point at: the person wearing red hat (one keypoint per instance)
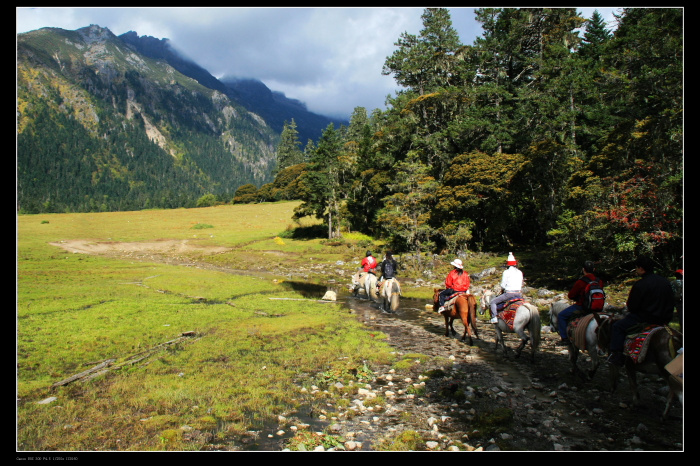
(511, 282)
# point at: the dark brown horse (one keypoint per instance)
(662, 349)
(464, 308)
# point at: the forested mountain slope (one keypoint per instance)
(102, 126)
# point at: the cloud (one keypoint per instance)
(329, 58)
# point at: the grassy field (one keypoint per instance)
(189, 349)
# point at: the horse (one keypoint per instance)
(587, 340)
(389, 295)
(367, 281)
(661, 348)
(526, 317)
(371, 286)
(464, 308)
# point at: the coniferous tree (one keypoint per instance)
(320, 186)
(289, 148)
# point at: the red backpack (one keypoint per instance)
(593, 295)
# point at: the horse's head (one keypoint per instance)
(486, 300)
(436, 298)
(604, 330)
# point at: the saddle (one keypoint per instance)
(506, 312)
(576, 330)
(636, 344)
(449, 302)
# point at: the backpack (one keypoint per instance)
(593, 295)
(388, 271)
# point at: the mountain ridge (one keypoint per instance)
(103, 126)
(273, 106)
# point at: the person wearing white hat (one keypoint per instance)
(457, 281)
(512, 284)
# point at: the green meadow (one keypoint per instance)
(186, 348)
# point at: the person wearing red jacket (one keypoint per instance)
(577, 294)
(369, 262)
(457, 280)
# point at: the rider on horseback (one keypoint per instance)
(650, 301)
(457, 281)
(577, 294)
(388, 267)
(368, 265)
(511, 282)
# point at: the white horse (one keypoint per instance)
(389, 294)
(365, 281)
(371, 287)
(526, 317)
(589, 343)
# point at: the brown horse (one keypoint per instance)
(662, 349)
(464, 308)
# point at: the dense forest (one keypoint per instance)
(549, 130)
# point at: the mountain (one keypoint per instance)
(125, 123)
(274, 107)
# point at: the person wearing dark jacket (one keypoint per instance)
(650, 301)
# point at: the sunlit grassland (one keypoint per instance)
(243, 365)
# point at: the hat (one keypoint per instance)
(511, 259)
(457, 263)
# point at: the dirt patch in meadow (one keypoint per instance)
(174, 250)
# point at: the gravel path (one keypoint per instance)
(476, 399)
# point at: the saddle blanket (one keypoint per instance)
(636, 346)
(507, 315)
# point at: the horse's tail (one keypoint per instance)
(394, 296)
(371, 287)
(534, 325)
(472, 305)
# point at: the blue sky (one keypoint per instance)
(329, 58)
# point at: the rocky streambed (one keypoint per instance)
(453, 397)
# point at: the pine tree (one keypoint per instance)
(424, 62)
(320, 186)
(289, 148)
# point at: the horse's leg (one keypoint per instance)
(573, 358)
(632, 376)
(614, 377)
(499, 337)
(674, 389)
(522, 344)
(519, 325)
(464, 314)
(447, 324)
